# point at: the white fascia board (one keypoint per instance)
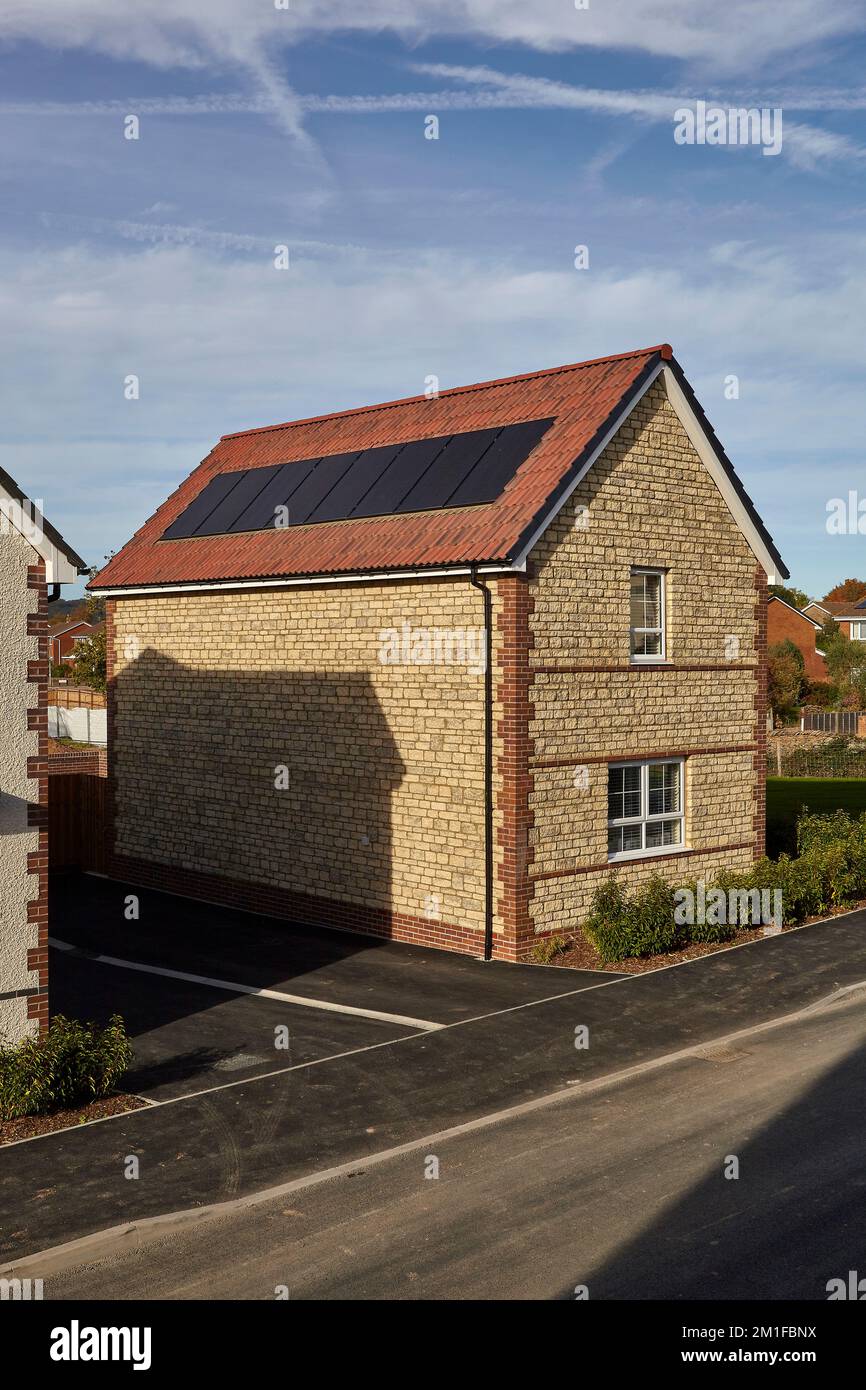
(58, 569)
(520, 562)
(709, 458)
(372, 577)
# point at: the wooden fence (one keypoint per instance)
(75, 696)
(76, 821)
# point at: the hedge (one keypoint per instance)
(828, 871)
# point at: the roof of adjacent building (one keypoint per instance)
(9, 486)
(584, 401)
(834, 608)
(798, 612)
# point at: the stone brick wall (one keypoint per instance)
(648, 501)
(381, 824)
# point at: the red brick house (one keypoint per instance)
(785, 622)
(63, 640)
(430, 669)
(851, 616)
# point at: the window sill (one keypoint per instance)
(629, 855)
(650, 661)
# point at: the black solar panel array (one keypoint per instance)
(455, 470)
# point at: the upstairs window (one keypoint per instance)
(647, 615)
(644, 808)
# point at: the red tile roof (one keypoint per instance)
(584, 399)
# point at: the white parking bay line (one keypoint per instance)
(423, 1024)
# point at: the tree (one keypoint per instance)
(849, 591)
(786, 680)
(846, 665)
(795, 597)
(90, 661)
(94, 605)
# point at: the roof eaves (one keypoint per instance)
(9, 485)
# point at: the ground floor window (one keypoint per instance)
(644, 808)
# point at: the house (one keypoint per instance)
(431, 669)
(786, 623)
(851, 616)
(63, 641)
(35, 561)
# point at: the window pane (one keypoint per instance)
(623, 792)
(646, 644)
(662, 832)
(646, 614)
(624, 838)
(664, 788)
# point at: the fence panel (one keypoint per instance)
(831, 721)
(76, 822)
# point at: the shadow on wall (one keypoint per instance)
(277, 778)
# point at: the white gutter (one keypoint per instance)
(372, 576)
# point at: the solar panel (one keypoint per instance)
(456, 470)
(261, 513)
(356, 483)
(245, 491)
(461, 452)
(385, 496)
(498, 464)
(197, 511)
(316, 486)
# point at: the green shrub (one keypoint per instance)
(643, 925)
(549, 948)
(71, 1064)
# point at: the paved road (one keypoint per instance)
(621, 1189)
(353, 1086)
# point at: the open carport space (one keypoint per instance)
(210, 995)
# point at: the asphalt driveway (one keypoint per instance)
(180, 973)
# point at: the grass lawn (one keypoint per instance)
(786, 797)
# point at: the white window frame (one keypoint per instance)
(645, 818)
(652, 659)
(858, 635)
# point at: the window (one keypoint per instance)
(644, 808)
(857, 632)
(647, 615)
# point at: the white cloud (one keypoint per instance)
(481, 88)
(189, 33)
(221, 344)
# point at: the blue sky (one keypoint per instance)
(410, 257)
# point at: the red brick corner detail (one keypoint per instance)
(37, 810)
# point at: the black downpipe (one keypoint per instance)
(54, 593)
(488, 762)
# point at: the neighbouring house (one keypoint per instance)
(431, 669)
(34, 561)
(785, 622)
(850, 616)
(63, 641)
